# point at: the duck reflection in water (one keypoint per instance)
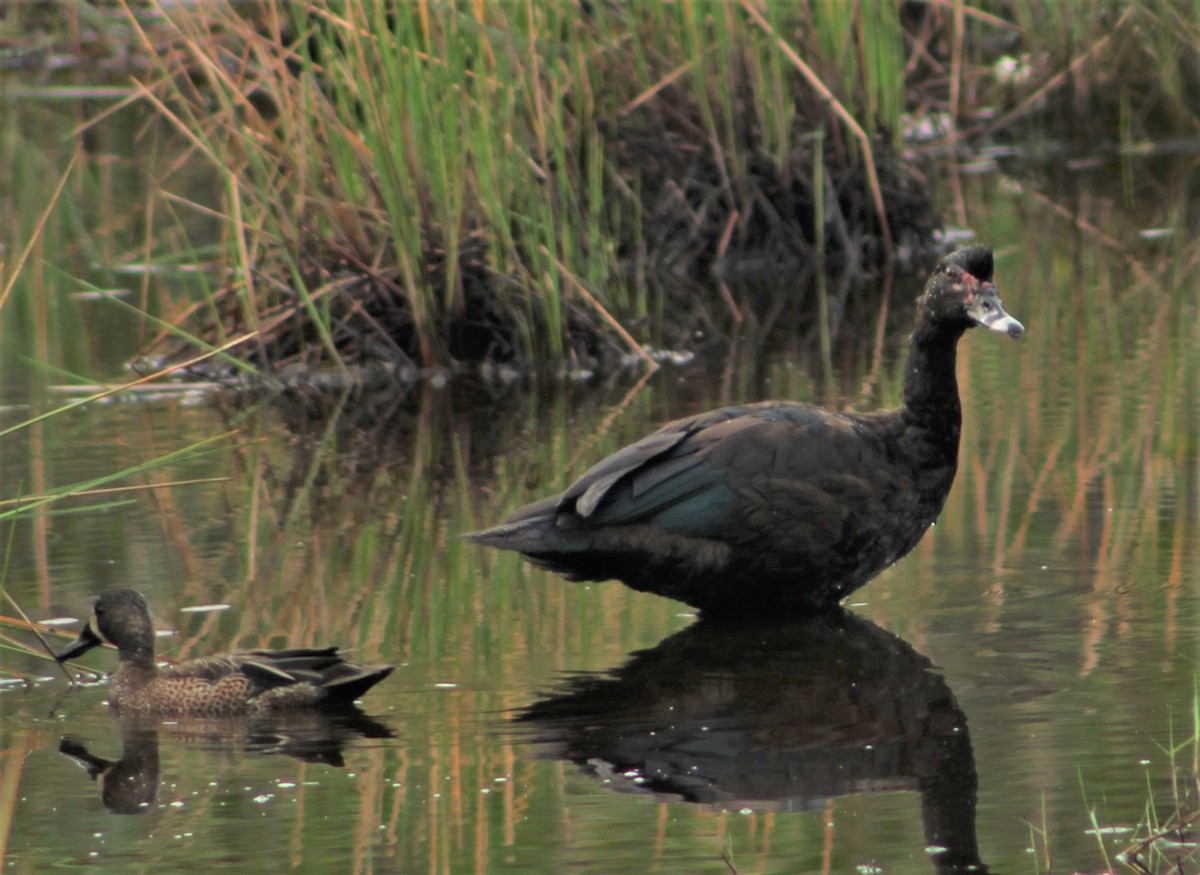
(129, 785)
(784, 716)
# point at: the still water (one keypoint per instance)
(1009, 694)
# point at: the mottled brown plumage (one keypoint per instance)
(778, 506)
(232, 684)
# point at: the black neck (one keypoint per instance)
(930, 383)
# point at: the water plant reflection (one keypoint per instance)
(782, 717)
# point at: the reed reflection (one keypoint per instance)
(782, 717)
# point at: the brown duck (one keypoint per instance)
(778, 506)
(233, 684)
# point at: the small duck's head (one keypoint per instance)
(119, 617)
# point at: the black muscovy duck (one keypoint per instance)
(776, 507)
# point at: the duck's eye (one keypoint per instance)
(950, 271)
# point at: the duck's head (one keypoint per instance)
(119, 617)
(961, 292)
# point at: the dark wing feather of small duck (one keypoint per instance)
(321, 667)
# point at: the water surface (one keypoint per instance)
(1040, 644)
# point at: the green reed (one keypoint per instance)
(439, 147)
(1163, 839)
(40, 317)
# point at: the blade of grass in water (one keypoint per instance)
(197, 450)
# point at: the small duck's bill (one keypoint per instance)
(86, 641)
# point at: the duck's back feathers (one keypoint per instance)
(246, 683)
(723, 506)
(297, 677)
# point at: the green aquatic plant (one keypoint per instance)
(430, 184)
(1166, 839)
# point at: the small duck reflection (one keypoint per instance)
(129, 785)
(784, 716)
